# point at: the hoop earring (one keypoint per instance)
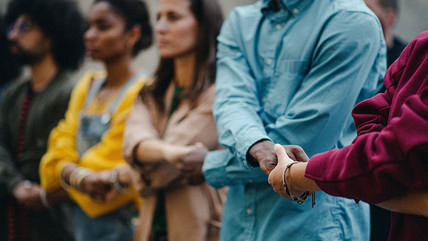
(129, 45)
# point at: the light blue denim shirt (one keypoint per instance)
(291, 76)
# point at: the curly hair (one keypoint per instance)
(134, 12)
(10, 68)
(61, 21)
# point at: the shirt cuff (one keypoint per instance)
(315, 170)
(252, 136)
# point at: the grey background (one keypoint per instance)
(412, 19)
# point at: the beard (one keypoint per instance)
(27, 57)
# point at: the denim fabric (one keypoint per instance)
(114, 226)
(90, 132)
(291, 76)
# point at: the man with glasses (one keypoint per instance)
(46, 35)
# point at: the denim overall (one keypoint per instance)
(116, 225)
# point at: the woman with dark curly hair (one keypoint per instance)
(85, 150)
(171, 127)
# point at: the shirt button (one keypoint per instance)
(295, 11)
(264, 99)
(269, 61)
(249, 211)
(244, 162)
(278, 27)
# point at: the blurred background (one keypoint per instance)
(412, 19)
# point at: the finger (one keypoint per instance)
(301, 154)
(290, 154)
(199, 145)
(110, 195)
(281, 154)
(270, 178)
(186, 167)
(264, 167)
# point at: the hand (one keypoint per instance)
(28, 194)
(173, 153)
(127, 176)
(98, 186)
(296, 153)
(190, 164)
(275, 177)
(263, 153)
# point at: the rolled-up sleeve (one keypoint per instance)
(237, 105)
(138, 127)
(379, 165)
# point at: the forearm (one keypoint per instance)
(413, 202)
(297, 180)
(154, 150)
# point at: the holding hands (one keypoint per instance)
(190, 164)
(276, 161)
(101, 186)
(279, 178)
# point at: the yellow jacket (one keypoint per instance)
(105, 155)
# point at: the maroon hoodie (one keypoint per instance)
(390, 154)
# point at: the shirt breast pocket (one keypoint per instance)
(281, 88)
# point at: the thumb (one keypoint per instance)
(281, 154)
(199, 145)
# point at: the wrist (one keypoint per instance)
(258, 151)
(116, 181)
(295, 195)
(72, 177)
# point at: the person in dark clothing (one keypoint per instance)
(46, 35)
(10, 68)
(386, 11)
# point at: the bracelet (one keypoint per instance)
(80, 174)
(43, 198)
(64, 183)
(114, 179)
(302, 198)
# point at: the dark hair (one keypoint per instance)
(210, 18)
(61, 21)
(389, 4)
(10, 68)
(134, 12)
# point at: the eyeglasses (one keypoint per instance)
(21, 26)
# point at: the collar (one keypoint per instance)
(294, 7)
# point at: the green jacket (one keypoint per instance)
(47, 109)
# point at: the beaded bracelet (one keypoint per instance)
(114, 179)
(302, 198)
(79, 174)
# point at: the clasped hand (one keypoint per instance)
(190, 164)
(99, 185)
(273, 159)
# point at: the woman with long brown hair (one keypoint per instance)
(171, 127)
